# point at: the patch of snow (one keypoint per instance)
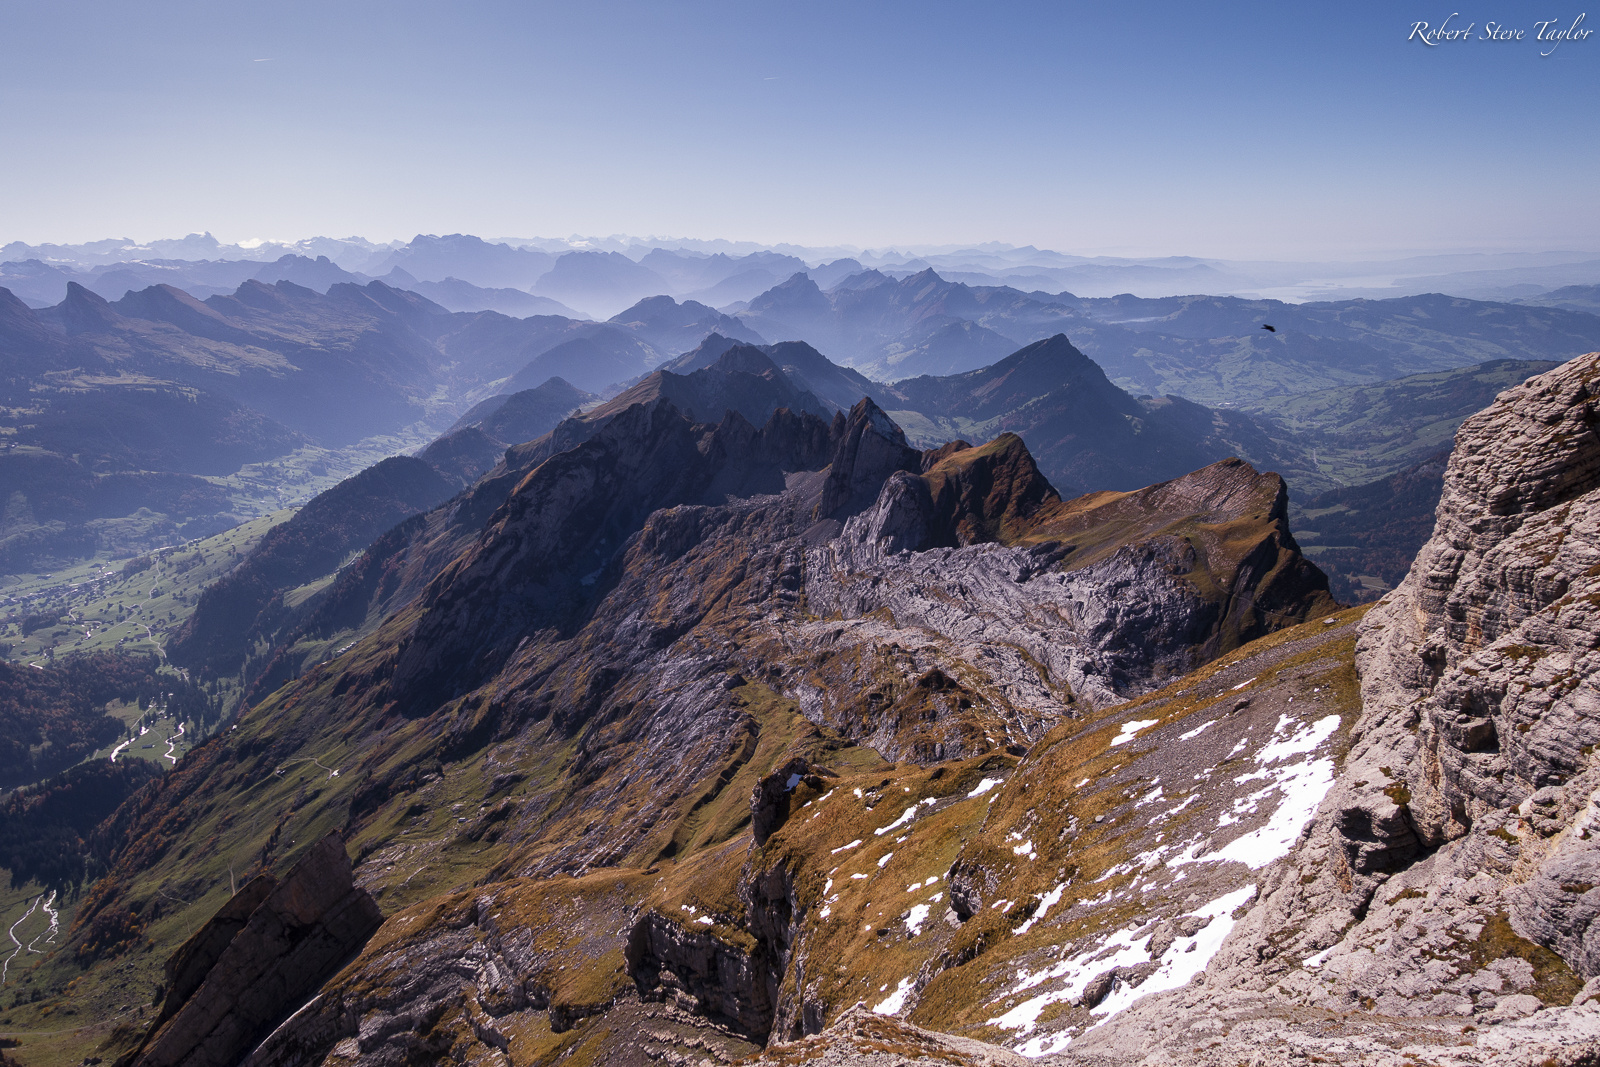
(1130, 730)
(1300, 742)
(905, 817)
(1318, 960)
(827, 910)
(794, 780)
(852, 844)
(1190, 799)
(887, 856)
(1025, 849)
(918, 916)
(895, 1002)
(1044, 1045)
(984, 786)
(706, 919)
(1046, 902)
(1186, 958)
(1241, 685)
(1302, 785)
(855, 877)
(1197, 731)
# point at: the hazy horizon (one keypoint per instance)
(1242, 131)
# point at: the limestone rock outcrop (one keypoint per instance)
(258, 959)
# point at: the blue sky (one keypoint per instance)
(1274, 130)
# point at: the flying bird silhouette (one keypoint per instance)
(1264, 326)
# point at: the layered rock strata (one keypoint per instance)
(259, 958)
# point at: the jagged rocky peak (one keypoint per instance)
(871, 448)
(685, 681)
(742, 379)
(964, 496)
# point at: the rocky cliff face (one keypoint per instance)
(257, 959)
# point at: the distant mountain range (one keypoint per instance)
(149, 403)
(1210, 349)
(720, 273)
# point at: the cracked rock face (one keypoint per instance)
(258, 959)
(1487, 651)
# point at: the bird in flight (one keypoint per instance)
(1264, 326)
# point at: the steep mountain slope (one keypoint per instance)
(605, 357)
(1444, 878)
(719, 279)
(867, 318)
(840, 387)
(336, 367)
(480, 437)
(643, 633)
(939, 348)
(238, 611)
(599, 283)
(524, 415)
(115, 409)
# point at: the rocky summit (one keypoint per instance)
(770, 737)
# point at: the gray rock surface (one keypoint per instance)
(297, 933)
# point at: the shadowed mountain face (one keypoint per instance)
(523, 415)
(606, 357)
(480, 437)
(674, 328)
(600, 283)
(245, 606)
